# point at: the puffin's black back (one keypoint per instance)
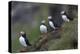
(26, 40)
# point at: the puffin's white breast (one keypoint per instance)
(43, 29)
(51, 24)
(22, 41)
(64, 17)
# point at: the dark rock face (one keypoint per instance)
(72, 11)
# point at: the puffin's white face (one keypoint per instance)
(62, 12)
(49, 17)
(22, 32)
(43, 21)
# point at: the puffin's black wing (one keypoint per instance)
(26, 40)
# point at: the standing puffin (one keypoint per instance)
(64, 16)
(24, 40)
(43, 27)
(51, 24)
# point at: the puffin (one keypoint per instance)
(51, 24)
(43, 27)
(23, 39)
(65, 17)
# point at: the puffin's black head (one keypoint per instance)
(50, 18)
(22, 33)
